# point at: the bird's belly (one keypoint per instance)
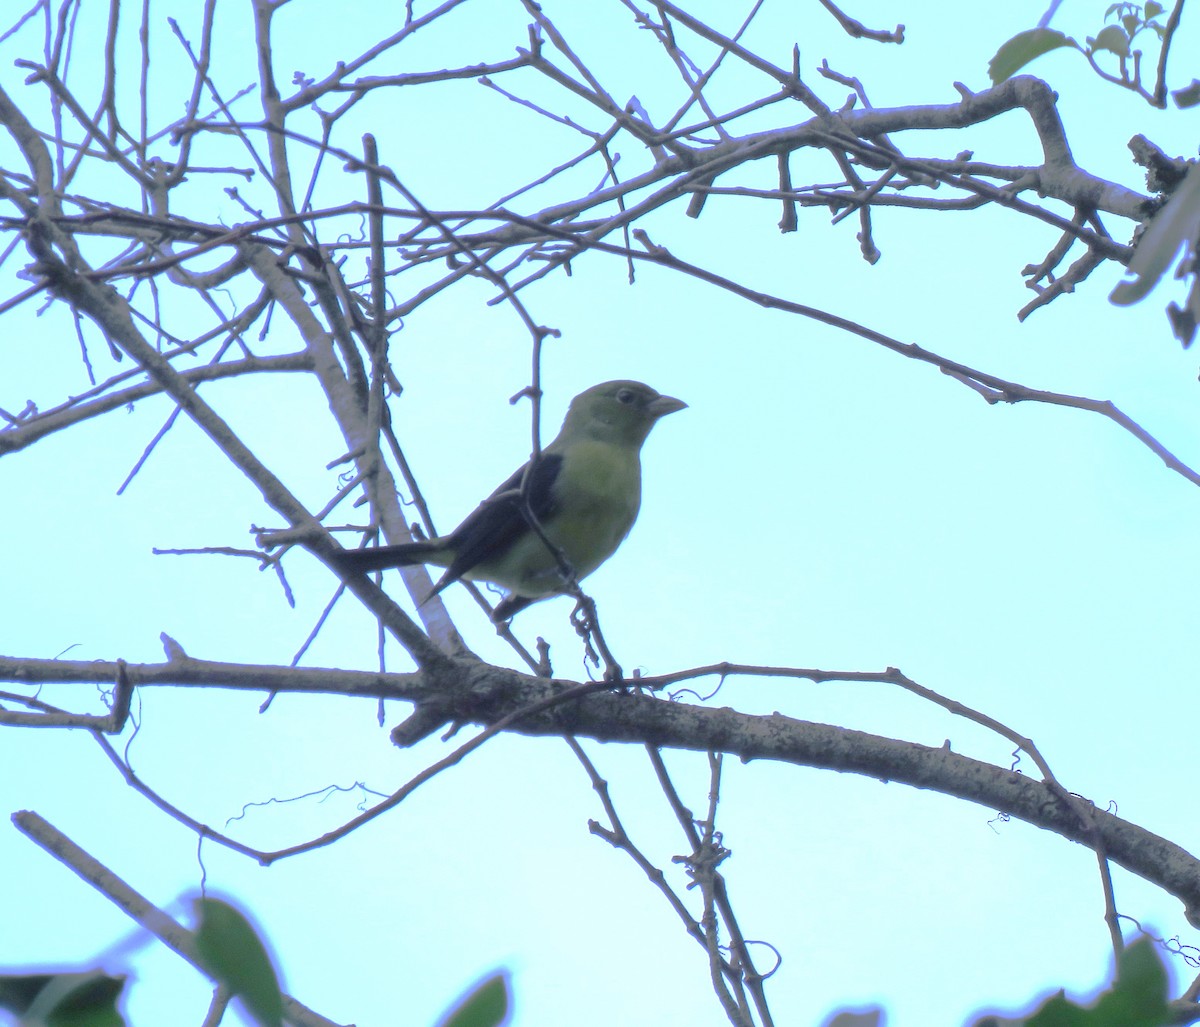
(588, 535)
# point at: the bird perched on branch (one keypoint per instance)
(583, 489)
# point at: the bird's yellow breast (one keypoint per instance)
(596, 498)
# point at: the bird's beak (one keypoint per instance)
(663, 405)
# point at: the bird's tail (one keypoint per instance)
(376, 558)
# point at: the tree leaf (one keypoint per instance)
(1185, 319)
(1023, 48)
(1188, 96)
(1173, 226)
(1139, 996)
(87, 999)
(1112, 38)
(871, 1016)
(1152, 10)
(235, 955)
(484, 1006)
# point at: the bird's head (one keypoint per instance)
(620, 411)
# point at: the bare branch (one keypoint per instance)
(136, 906)
(857, 30)
(468, 690)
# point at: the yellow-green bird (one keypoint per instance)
(584, 489)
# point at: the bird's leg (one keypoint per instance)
(587, 627)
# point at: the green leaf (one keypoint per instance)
(1139, 996)
(871, 1016)
(1185, 319)
(1153, 10)
(1131, 22)
(235, 955)
(63, 1000)
(1057, 1011)
(17, 991)
(1112, 9)
(1023, 48)
(1188, 96)
(1176, 224)
(484, 1006)
(1112, 38)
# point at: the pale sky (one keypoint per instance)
(821, 503)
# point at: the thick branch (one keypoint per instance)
(478, 693)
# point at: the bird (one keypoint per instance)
(584, 489)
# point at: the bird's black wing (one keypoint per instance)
(492, 528)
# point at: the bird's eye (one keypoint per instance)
(626, 396)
